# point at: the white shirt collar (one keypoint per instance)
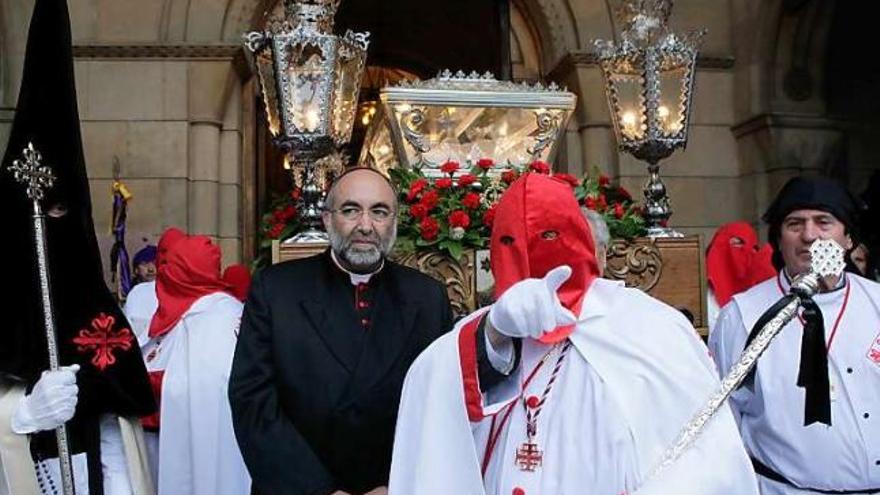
(356, 278)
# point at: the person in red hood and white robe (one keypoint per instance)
(192, 339)
(735, 262)
(568, 384)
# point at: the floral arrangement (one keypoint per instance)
(279, 222)
(624, 217)
(455, 212)
(451, 213)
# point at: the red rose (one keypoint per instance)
(618, 210)
(471, 200)
(604, 180)
(295, 194)
(624, 194)
(276, 230)
(466, 180)
(415, 188)
(289, 212)
(449, 167)
(443, 183)
(540, 167)
(508, 176)
(489, 217)
(418, 211)
(590, 202)
(278, 215)
(459, 218)
(602, 203)
(430, 199)
(570, 179)
(485, 163)
(429, 228)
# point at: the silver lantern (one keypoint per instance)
(310, 80)
(649, 77)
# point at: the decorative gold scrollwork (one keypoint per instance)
(639, 265)
(409, 123)
(457, 276)
(545, 134)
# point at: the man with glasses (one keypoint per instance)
(324, 346)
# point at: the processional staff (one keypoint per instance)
(826, 260)
(37, 179)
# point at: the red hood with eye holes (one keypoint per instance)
(539, 226)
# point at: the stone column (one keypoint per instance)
(210, 84)
(230, 233)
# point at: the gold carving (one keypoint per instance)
(638, 264)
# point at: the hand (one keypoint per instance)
(51, 403)
(379, 490)
(531, 307)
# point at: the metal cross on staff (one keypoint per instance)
(826, 260)
(37, 179)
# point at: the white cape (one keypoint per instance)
(648, 360)
(140, 306)
(198, 453)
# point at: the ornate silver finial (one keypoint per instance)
(317, 15)
(36, 177)
(826, 258)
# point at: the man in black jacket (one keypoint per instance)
(324, 346)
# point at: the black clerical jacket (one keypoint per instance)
(316, 381)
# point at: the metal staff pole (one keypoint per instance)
(37, 179)
(826, 260)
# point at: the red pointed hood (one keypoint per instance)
(539, 226)
(188, 270)
(733, 267)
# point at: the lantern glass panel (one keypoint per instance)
(306, 86)
(349, 67)
(266, 72)
(671, 111)
(629, 89)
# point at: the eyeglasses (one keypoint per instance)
(353, 213)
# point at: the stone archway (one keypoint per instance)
(785, 127)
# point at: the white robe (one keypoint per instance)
(637, 372)
(844, 456)
(140, 306)
(198, 453)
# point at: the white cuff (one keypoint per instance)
(501, 359)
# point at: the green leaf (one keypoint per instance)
(455, 249)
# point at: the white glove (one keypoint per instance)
(50, 404)
(531, 307)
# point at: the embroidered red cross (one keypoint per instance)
(528, 457)
(103, 340)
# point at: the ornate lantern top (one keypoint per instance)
(312, 15)
(465, 117)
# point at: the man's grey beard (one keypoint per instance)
(361, 259)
